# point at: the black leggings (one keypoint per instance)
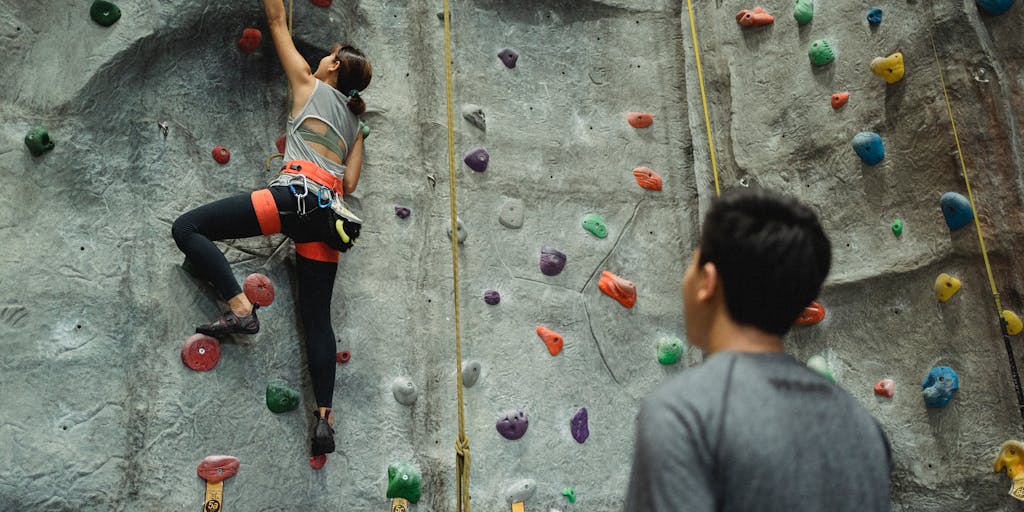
(235, 217)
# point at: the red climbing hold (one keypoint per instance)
(839, 99)
(217, 468)
(343, 356)
(250, 40)
(259, 289)
(322, 3)
(200, 352)
(552, 339)
(618, 289)
(639, 119)
(647, 178)
(754, 18)
(317, 462)
(811, 314)
(221, 155)
(885, 387)
(280, 142)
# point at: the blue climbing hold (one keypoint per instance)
(875, 16)
(995, 7)
(939, 386)
(869, 147)
(957, 210)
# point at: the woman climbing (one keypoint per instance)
(323, 155)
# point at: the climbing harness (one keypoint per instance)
(703, 96)
(301, 177)
(981, 238)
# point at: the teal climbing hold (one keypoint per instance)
(404, 481)
(995, 7)
(957, 210)
(38, 141)
(594, 223)
(669, 350)
(821, 53)
(570, 494)
(803, 11)
(869, 147)
(365, 129)
(820, 365)
(280, 397)
(105, 13)
(897, 227)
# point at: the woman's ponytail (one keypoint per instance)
(354, 75)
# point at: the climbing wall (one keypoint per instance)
(100, 412)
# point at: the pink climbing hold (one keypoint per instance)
(259, 290)
(221, 155)
(250, 40)
(639, 119)
(317, 462)
(618, 289)
(885, 387)
(754, 18)
(217, 468)
(280, 142)
(839, 99)
(343, 356)
(322, 3)
(647, 178)
(200, 352)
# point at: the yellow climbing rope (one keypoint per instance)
(703, 96)
(462, 458)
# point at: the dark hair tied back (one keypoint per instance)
(354, 75)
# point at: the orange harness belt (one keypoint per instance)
(266, 212)
(270, 220)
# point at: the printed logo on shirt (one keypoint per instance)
(801, 387)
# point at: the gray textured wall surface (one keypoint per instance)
(100, 414)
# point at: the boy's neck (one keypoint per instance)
(727, 335)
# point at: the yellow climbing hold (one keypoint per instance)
(890, 68)
(1011, 458)
(946, 287)
(1013, 324)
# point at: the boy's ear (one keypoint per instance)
(708, 285)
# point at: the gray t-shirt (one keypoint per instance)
(757, 431)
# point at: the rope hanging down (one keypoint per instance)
(703, 95)
(981, 237)
(462, 458)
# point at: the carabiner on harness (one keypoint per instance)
(324, 191)
(301, 205)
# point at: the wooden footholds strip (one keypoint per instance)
(399, 505)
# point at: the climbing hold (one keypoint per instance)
(897, 227)
(318, 462)
(470, 373)
(200, 352)
(38, 141)
(1011, 458)
(280, 397)
(594, 223)
(890, 68)
(639, 119)
(475, 115)
(670, 349)
(946, 287)
(618, 288)
(1013, 322)
(404, 482)
(551, 339)
(520, 491)
(956, 209)
(259, 289)
(281, 142)
(105, 13)
(821, 53)
(461, 234)
(511, 213)
(885, 387)
(869, 147)
(217, 468)
(365, 129)
(477, 159)
(875, 16)
(579, 425)
(839, 99)
(512, 424)
(402, 212)
(803, 11)
(322, 3)
(508, 57)
(754, 18)
(250, 40)
(343, 357)
(221, 154)
(820, 365)
(552, 261)
(492, 297)
(995, 7)
(647, 178)
(404, 390)
(811, 314)
(939, 386)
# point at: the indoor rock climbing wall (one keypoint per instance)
(101, 414)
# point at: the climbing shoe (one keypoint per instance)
(323, 435)
(230, 323)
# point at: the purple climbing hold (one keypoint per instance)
(508, 57)
(477, 159)
(578, 425)
(512, 424)
(402, 212)
(492, 297)
(552, 261)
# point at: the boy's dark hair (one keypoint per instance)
(771, 254)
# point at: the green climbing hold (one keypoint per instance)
(38, 141)
(669, 350)
(569, 493)
(404, 481)
(820, 365)
(105, 13)
(803, 11)
(595, 224)
(365, 128)
(897, 227)
(280, 397)
(821, 53)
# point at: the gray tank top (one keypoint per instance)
(331, 107)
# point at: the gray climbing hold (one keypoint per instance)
(477, 159)
(492, 297)
(508, 57)
(520, 491)
(475, 115)
(511, 213)
(404, 390)
(552, 261)
(462, 230)
(470, 373)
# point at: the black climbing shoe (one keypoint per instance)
(230, 323)
(323, 435)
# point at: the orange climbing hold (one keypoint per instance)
(811, 314)
(885, 387)
(839, 99)
(618, 289)
(647, 178)
(639, 119)
(552, 339)
(754, 18)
